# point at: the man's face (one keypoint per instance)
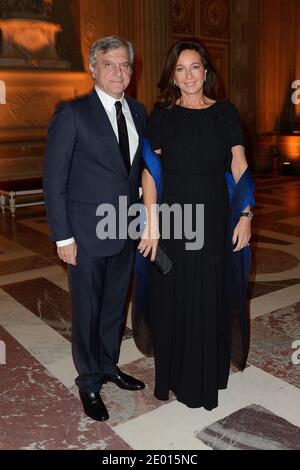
(112, 72)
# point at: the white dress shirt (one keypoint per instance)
(109, 106)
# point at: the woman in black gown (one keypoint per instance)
(198, 139)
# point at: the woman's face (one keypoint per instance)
(189, 72)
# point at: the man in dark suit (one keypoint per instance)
(93, 157)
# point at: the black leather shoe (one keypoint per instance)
(93, 406)
(123, 381)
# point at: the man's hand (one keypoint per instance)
(68, 253)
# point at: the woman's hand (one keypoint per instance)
(149, 239)
(242, 233)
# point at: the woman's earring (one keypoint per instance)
(205, 77)
(174, 83)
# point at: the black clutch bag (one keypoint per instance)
(163, 262)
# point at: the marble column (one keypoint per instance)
(277, 57)
(243, 59)
(126, 26)
(243, 67)
(97, 19)
(277, 62)
(151, 41)
(297, 74)
(126, 20)
(265, 61)
(287, 63)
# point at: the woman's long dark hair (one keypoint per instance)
(170, 93)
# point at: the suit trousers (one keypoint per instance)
(99, 288)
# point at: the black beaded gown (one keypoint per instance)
(190, 308)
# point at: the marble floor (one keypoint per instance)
(40, 408)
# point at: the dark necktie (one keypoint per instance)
(123, 135)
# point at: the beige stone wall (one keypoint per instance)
(29, 103)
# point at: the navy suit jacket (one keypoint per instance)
(83, 168)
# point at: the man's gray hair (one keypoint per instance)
(109, 43)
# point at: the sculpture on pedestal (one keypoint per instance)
(40, 9)
(29, 35)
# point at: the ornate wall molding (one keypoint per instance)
(90, 26)
(208, 20)
(183, 16)
(97, 19)
(219, 54)
(215, 18)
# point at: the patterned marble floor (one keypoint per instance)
(39, 405)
